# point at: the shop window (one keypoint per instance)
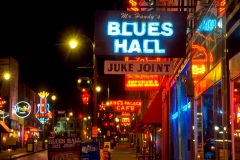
(236, 119)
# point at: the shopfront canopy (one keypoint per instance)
(4, 128)
(153, 114)
(138, 129)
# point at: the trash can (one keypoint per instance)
(30, 145)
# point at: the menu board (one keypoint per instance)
(90, 151)
(64, 148)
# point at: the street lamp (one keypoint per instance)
(4, 76)
(73, 44)
(53, 98)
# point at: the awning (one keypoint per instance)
(153, 114)
(4, 128)
(138, 129)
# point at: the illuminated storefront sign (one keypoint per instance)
(125, 121)
(140, 33)
(199, 60)
(22, 109)
(125, 105)
(122, 67)
(207, 25)
(142, 82)
(43, 114)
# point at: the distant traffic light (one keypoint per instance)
(80, 116)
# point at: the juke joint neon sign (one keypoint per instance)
(140, 33)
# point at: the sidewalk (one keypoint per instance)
(19, 152)
(123, 151)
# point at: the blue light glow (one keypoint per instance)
(175, 115)
(207, 25)
(22, 109)
(130, 29)
(184, 108)
(149, 46)
(42, 119)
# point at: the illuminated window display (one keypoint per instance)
(236, 118)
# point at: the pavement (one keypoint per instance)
(120, 152)
(123, 151)
(19, 152)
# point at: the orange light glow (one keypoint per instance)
(133, 4)
(222, 3)
(126, 114)
(207, 38)
(125, 121)
(199, 60)
(142, 82)
(102, 107)
(238, 115)
(2, 102)
(198, 69)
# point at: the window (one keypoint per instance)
(71, 125)
(58, 124)
(78, 125)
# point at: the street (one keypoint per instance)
(39, 156)
(122, 151)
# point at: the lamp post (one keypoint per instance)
(53, 98)
(73, 44)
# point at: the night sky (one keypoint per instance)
(36, 34)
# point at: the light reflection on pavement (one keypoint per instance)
(36, 156)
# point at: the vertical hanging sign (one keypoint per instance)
(43, 114)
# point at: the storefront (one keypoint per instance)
(235, 104)
(180, 92)
(149, 138)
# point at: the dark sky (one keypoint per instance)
(36, 34)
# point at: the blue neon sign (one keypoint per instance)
(207, 25)
(140, 34)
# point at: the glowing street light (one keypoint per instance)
(6, 76)
(53, 98)
(73, 44)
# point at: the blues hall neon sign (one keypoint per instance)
(140, 33)
(132, 29)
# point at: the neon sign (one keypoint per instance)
(133, 4)
(140, 33)
(125, 121)
(43, 114)
(102, 107)
(207, 25)
(149, 29)
(2, 102)
(142, 82)
(125, 105)
(22, 109)
(199, 60)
